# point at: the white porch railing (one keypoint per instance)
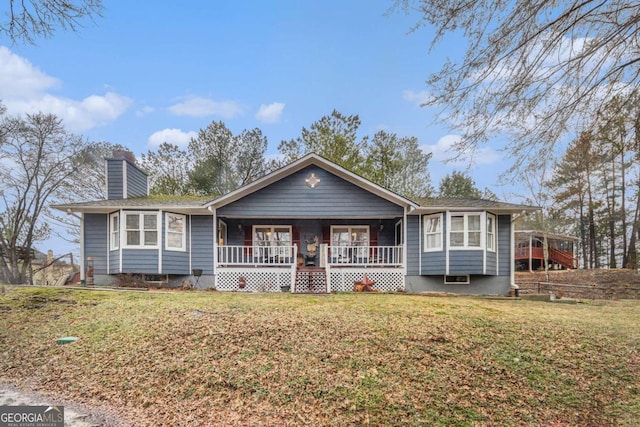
(232, 255)
(371, 256)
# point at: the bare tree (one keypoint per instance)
(535, 69)
(27, 20)
(37, 157)
(90, 183)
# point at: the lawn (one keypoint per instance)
(212, 358)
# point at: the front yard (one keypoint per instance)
(212, 358)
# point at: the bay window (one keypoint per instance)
(465, 230)
(141, 229)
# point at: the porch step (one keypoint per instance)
(312, 280)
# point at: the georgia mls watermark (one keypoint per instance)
(31, 416)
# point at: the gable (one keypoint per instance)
(332, 197)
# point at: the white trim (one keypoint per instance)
(160, 237)
(190, 219)
(111, 231)
(125, 184)
(183, 247)
(123, 239)
(424, 233)
(350, 228)
(495, 232)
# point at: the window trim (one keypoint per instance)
(125, 244)
(465, 246)
(493, 240)
(272, 250)
(425, 247)
(183, 247)
(456, 282)
(114, 244)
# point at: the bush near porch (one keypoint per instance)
(210, 358)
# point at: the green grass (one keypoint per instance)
(203, 358)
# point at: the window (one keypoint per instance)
(457, 280)
(141, 229)
(114, 223)
(466, 231)
(491, 232)
(433, 233)
(349, 236)
(277, 238)
(176, 226)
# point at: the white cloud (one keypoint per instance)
(172, 136)
(270, 113)
(19, 78)
(418, 98)
(444, 151)
(24, 89)
(144, 111)
(199, 107)
(77, 116)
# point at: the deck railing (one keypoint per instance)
(234, 255)
(381, 256)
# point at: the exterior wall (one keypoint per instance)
(504, 245)
(114, 262)
(426, 270)
(466, 262)
(175, 262)
(136, 181)
(332, 197)
(117, 168)
(480, 285)
(140, 261)
(413, 247)
(96, 243)
(202, 243)
(115, 181)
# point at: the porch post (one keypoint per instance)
(530, 253)
(327, 267)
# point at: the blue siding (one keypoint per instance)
(435, 262)
(491, 263)
(96, 240)
(136, 181)
(114, 179)
(504, 245)
(175, 262)
(333, 197)
(144, 261)
(202, 242)
(114, 262)
(413, 245)
(466, 262)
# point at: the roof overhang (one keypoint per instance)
(115, 206)
(311, 160)
(499, 210)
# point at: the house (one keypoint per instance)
(530, 250)
(311, 226)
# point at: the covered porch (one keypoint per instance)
(308, 255)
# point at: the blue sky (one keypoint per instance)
(143, 74)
